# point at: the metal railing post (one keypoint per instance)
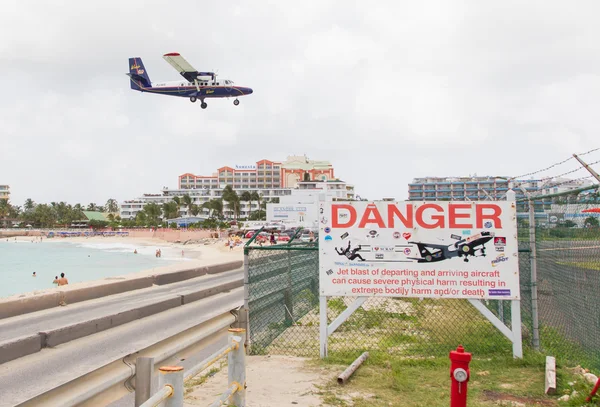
(172, 376)
(144, 368)
(533, 262)
(244, 316)
(236, 366)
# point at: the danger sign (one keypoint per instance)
(419, 249)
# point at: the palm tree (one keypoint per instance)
(29, 204)
(187, 201)
(254, 196)
(153, 211)
(247, 197)
(170, 210)
(177, 201)
(194, 209)
(112, 206)
(92, 207)
(215, 207)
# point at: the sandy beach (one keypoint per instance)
(202, 253)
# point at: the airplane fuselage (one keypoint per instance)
(205, 89)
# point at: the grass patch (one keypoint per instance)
(590, 265)
(399, 381)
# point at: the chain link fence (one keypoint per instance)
(283, 290)
(567, 238)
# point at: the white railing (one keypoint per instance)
(172, 378)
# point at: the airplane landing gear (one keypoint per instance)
(193, 99)
(466, 260)
(236, 102)
(203, 105)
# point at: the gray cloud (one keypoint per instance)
(387, 91)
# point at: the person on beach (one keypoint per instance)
(230, 244)
(62, 280)
(55, 280)
(34, 275)
(135, 251)
(272, 239)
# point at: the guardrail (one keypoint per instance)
(172, 378)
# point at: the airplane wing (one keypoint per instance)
(431, 245)
(184, 67)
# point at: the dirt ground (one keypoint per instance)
(273, 381)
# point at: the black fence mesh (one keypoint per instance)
(284, 298)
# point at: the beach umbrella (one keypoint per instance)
(28, 226)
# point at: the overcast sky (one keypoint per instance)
(387, 91)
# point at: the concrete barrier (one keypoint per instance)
(12, 306)
(57, 336)
(106, 288)
(182, 275)
(18, 306)
(219, 268)
(19, 347)
(187, 298)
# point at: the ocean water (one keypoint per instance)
(80, 261)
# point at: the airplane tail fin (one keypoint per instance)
(138, 75)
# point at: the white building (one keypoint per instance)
(300, 208)
(4, 192)
(129, 209)
(560, 185)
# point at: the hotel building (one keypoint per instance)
(264, 174)
(274, 181)
(4, 192)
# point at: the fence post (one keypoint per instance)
(288, 294)
(172, 376)
(244, 316)
(236, 367)
(533, 262)
(323, 324)
(144, 368)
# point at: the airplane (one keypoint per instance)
(195, 85)
(463, 248)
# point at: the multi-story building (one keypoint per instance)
(467, 188)
(4, 192)
(274, 182)
(262, 175)
(560, 185)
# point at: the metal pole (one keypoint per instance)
(288, 300)
(172, 376)
(236, 366)
(323, 326)
(516, 329)
(588, 168)
(144, 368)
(245, 311)
(533, 265)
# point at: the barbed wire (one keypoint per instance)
(556, 165)
(570, 172)
(588, 152)
(542, 170)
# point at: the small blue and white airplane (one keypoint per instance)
(196, 85)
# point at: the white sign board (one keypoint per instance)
(419, 249)
(292, 212)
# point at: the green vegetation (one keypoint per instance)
(590, 265)
(385, 380)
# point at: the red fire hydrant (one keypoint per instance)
(459, 375)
